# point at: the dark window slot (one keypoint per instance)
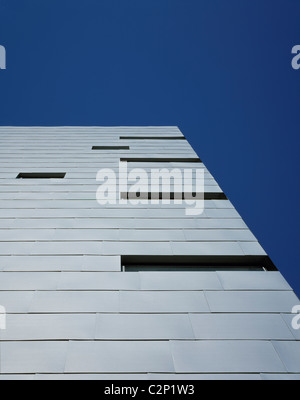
(161, 160)
(173, 196)
(41, 175)
(110, 148)
(186, 268)
(152, 138)
(215, 196)
(197, 263)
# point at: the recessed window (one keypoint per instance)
(215, 196)
(110, 148)
(196, 263)
(41, 175)
(173, 196)
(161, 160)
(152, 137)
(185, 268)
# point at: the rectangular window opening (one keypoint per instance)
(110, 148)
(152, 138)
(196, 263)
(174, 195)
(41, 175)
(161, 160)
(186, 268)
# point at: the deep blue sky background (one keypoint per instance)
(218, 69)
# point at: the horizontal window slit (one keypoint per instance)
(110, 148)
(173, 196)
(196, 263)
(161, 160)
(186, 268)
(41, 175)
(152, 138)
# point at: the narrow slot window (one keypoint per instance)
(161, 160)
(173, 196)
(152, 138)
(110, 148)
(185, 268)
(41, 175)
(196, 263)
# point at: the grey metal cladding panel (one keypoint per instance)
(280, 377)
(141, 235)
(101, 263)
(252, 248)
(180, 281)
(111, 248)
(251, 301)
(166, 223)
(88, 178)
(111, 210)
(85, 234)
(75, 302)
(28, 281)
(76, 131)
(6, 223)
(115, 222)
(289, 352)
(48, 204)
(90, 377)
(86, 155)
(143, 327)
(221, 213)
(49, 327)
(8, 217)
(124, 356)
(240, 326)
(105, 154)
(288, 318)
(68, 184)
(99, 281)
(163, 302)
(219, 234)
(234, 223)
(17, 377)
(25, 222)
(220, 203)
(270, 280)
(206, 248)
(204, 377)
(32, 357)
(50, 248)
(14, 235)
(62, 223)
(12, 248)
(71, 248)
(58, 263)
(225, 357)
(105, 223)
(16, 302)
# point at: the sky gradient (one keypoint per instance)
(219, 70)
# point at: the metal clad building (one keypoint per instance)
(130, 291)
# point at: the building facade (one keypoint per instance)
(93, 287)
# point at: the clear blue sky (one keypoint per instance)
(218, 69)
